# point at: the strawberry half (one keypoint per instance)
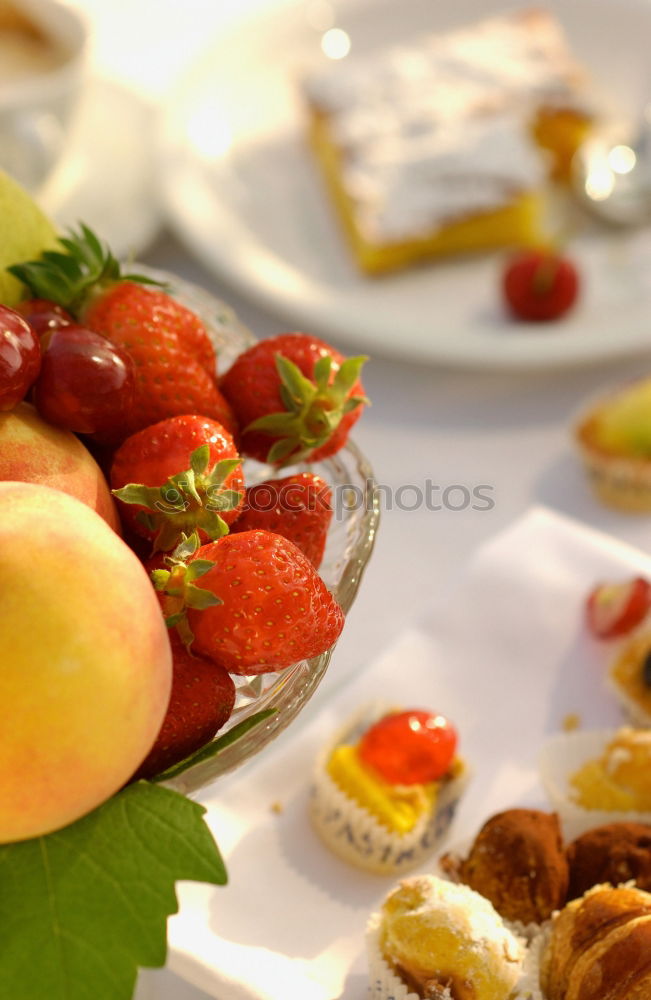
(615, 609)
(295, 398)
(296, 507)
(201, 702)
(181, 474)
(251, 602)
(170, 347)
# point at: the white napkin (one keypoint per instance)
(506, 657)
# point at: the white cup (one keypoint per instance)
(37, 96)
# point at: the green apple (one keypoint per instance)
(85, 661)
(25, 232)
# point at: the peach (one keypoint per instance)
(85, 661)
(33, 451)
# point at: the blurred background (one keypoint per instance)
(184, 145)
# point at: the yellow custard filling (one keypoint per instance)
(397, 807)
(619, 780)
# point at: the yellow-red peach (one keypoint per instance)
(85, 661)
(33, 451)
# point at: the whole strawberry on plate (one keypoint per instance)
(181, 474)
(170, 348)
(540, 285)
(295, 398)
(251, 602)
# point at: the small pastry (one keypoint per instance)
(629, 677)
(614, 852)
(599, 947)
(620, 778)
(598, 777)
(614, 439)
(385, 791)
(439, 940)
(517, 861)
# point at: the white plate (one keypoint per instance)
(105, 177)
(240, 188)
(506, 657)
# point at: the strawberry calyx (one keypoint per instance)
(545, 274)
(71, 277)
(190, 500)
(177, 585)
(313, 408)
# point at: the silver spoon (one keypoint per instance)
(611, 173)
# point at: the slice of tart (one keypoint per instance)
(445, 145)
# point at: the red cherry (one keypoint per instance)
(539, 286)
(614, 609)
(86, 383)
(411, 747)
(43, 315)
(20, 357)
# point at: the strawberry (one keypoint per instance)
(539, 285)
(168, 344)
(252, 602)
(201, 702)
(296, 507)
(295, 398)
(177, 475)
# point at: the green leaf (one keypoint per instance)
(301, 390)
(198, 598)
(82, 908)
(186, 547)
(199, 567)
(322, 370)
(199, 459)
(160, 578)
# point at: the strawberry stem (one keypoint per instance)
(70, 277)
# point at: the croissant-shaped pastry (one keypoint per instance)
(600, 947)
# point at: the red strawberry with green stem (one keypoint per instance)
(168, 343)
(296, 507)
(295, 398)
(251, 602)
(201, 702)
(181, 474)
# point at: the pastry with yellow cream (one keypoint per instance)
(619, 779)
(597, 777)
(614, 440)
(385, 791)
(441, 940)
(629, 676)
(444, 145)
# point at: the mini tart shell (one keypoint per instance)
(625, 679)
(561, 757)
(355, 835)
(618, 480)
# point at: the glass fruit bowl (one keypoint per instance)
(349, 545)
